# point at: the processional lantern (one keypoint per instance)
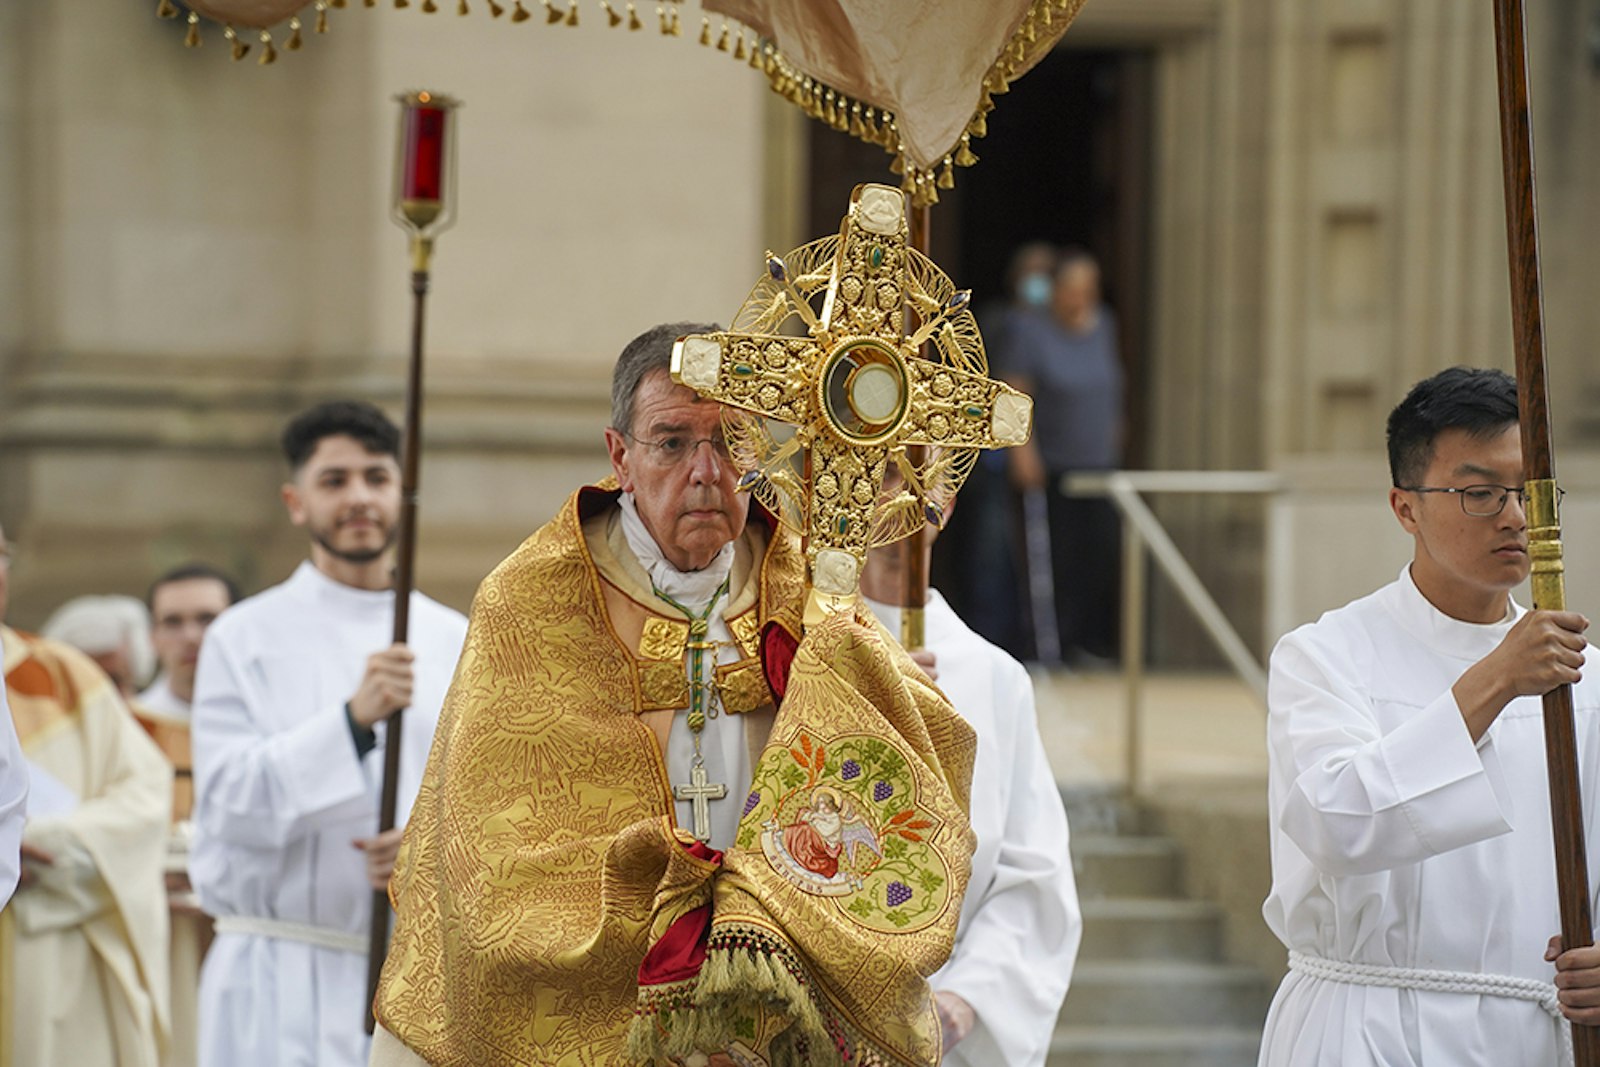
(424, 206)
(828, 343)
(425, 170)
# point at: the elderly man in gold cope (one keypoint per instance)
(596, 754)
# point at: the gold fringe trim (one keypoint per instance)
(841, 111)
(240, 49)
(746, 966)
(1036, 32)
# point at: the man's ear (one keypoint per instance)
(617, 449)
(292, 503)
(1404, 506)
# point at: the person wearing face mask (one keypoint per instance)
(291, 695)
(987, 528)
(1066, 357)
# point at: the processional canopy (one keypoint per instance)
(830, 342)
(917, 78)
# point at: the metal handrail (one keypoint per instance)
(1141, 530)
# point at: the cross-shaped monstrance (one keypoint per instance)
(855, 386)
(700, 792)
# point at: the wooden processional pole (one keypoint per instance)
(1544, 526)
(424, 187)
(914, 572)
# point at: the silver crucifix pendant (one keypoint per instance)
(700, 792)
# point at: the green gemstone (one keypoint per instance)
(972, 411)
(743, 370)
(875, 257)
(843, 523)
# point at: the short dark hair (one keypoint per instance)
(189, 572)
(332, 418)
(650, 351)
(1483, 402)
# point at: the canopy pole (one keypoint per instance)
(1544, 529)
(914, 569)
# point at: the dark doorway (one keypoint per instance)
(1066, 160)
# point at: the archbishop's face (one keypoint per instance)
(676, 464)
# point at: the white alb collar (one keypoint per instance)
(693, 589)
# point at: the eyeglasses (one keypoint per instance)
(674, 449)
(1483, 501)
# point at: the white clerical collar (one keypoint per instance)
(694, 589)
(1444, 634)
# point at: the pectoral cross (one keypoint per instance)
(700, 792)
(857, 390)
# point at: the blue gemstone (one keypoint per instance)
(779, 272)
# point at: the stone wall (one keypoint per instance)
(192, 249)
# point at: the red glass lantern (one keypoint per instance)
(425, 164)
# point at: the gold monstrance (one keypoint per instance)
(856, 391)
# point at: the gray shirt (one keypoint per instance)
(1077, 388)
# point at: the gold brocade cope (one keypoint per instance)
(844, 885)
(542, 837)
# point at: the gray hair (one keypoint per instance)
(99, 624)
(650, 351)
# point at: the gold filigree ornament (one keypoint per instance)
(826, 389)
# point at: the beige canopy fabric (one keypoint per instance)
(916, 76)
(932, 66)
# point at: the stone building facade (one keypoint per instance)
(191, 249)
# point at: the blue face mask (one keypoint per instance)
(1035, 290)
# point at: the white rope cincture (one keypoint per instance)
(284, 930)
(1424, 980)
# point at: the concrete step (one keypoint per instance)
(1132, 929)
(1149, 1046)
(1116, 866)
(1101, 810)
(1165, 993)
